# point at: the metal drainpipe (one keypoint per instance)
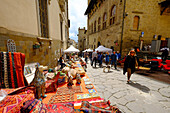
(122, 27)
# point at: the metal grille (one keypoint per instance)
(11, 45)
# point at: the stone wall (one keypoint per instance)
(151, 23)
(82, 44)
(24, 44)
(111, 34)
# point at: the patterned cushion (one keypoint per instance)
(99, 107)
(51, 86)
(13, 104)
(60, 108)
(33, 106)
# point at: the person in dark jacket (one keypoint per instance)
(107, 58)
(114, 58)
(165, 55)
(129, 65)
(61, 62)
(100, 58)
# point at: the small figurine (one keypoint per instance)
(62, 78)
(70, 80)
(39, 83)
(66, 70)
(73, 73)
(78, 79)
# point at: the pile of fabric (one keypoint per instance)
(11, 70)
(13, 103)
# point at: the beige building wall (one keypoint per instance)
(20, 21)
(55, 17)
(72, 42)
(15, 16)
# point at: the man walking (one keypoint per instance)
(94, 58)
(100, 58)
(114, 59)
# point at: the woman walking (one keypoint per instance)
(129, 65)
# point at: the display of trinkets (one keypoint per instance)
(78, 79)
(39, 82)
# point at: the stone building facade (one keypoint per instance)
(82, 39)
(35, 22)
(72, 42)
(105, 18)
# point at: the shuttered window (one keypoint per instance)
(136, 23)
(99, 22)
(104, 20)
(43, 18)
(112, 15)
(95, 26)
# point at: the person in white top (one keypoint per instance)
(94, 58)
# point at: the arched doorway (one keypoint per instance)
(98, 44)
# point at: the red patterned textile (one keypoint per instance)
(99, 107)
(34, 106)
(18, 67)
(25, 91)
(60, 108)
(11, 68)
(13, 104)
(50, 86)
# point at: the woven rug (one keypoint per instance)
(65, 94)
(61, 98)
(68, 90)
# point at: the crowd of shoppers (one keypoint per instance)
(112, 58)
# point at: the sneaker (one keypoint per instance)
(128, 81)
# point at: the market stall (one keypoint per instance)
(103, 49)
(73, 92)
(88, 50)
(71, 49)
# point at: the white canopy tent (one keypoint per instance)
(88, 50)
(71, 49)
(103, 49)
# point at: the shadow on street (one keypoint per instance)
(139, 86)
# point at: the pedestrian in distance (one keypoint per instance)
(107, 58)
(90, 57)
(94, 58)
(86, 56)
(118, 55)
(130, 64)
(61, 62)
(100, 58)
(114, 58)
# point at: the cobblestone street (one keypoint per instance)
(143, 95)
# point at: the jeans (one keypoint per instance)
(86, 59)
(115, 64)
(100, 63)
(94, 60)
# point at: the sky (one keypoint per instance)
(77, 18)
